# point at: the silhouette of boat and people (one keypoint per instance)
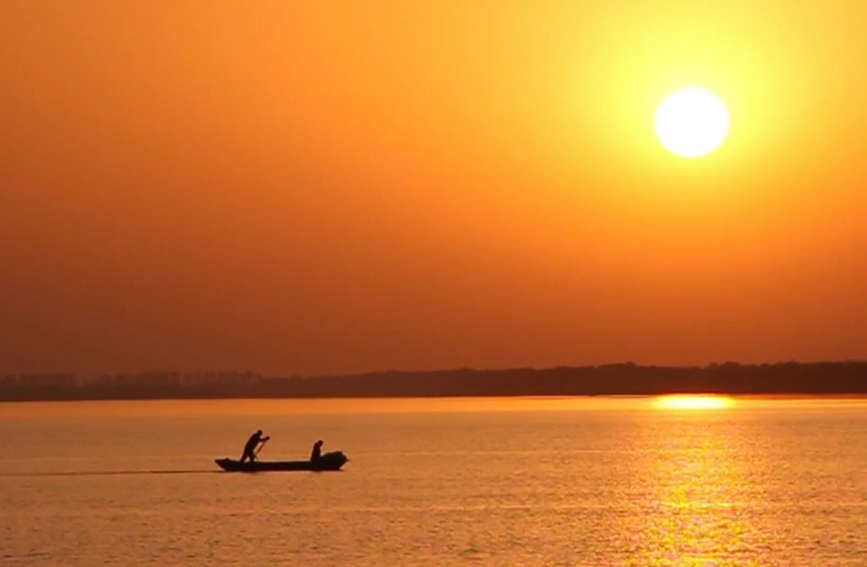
(249, 461)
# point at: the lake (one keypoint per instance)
(447, 482)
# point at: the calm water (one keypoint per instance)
(593, 482)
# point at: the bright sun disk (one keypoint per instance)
(691, 122)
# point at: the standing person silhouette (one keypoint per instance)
(250, 447)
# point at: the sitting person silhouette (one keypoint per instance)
(316, 455)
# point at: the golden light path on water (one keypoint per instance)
(697, 464)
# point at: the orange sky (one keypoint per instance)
(340, 186)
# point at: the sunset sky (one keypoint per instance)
(342, 186)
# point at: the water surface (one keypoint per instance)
(595, 482)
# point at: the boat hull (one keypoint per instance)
(328, 462)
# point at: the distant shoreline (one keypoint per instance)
(837, 379)
(542, 398)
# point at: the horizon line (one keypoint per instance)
(851, 361)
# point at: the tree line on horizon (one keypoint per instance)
(613, 379)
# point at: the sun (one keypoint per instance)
(691, 122)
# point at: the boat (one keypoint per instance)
(328, 462)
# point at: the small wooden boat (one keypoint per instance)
(327, 462)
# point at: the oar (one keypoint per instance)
(262, 444)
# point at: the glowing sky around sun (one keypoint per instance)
(356, 185)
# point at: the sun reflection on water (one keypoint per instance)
(695, 467)
(693, 402)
